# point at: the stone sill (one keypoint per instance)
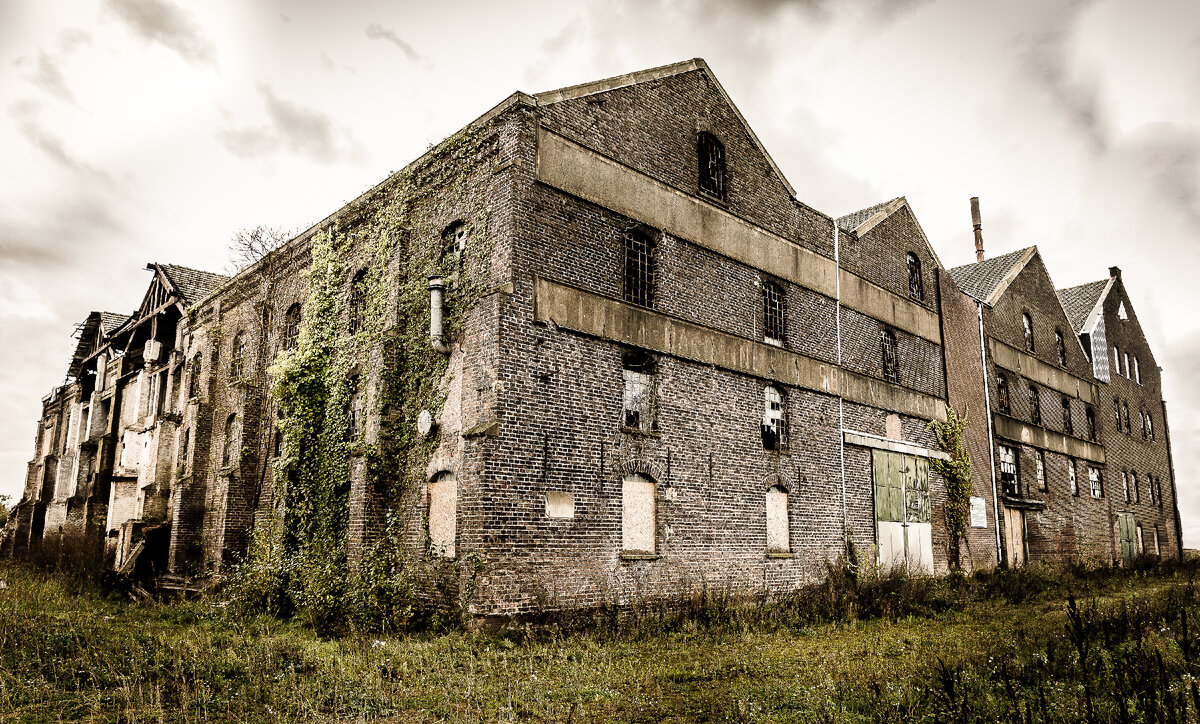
(640, 557)
(781, 555)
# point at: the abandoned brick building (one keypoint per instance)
(614, 356)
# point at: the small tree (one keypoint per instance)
(248, 246)
(957, 473)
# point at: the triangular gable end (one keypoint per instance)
(665, 71)
(881, 213)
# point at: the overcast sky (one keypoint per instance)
(150, 130)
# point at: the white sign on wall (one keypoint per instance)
(978, 513)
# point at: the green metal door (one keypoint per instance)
(903, 533)
(1128, 532)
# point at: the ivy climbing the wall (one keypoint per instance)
(956, 472)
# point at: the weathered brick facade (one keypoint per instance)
(600, 438)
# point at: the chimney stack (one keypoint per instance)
(978, 225)
(1114, 271)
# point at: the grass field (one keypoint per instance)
(1038, 645)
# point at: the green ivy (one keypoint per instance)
(956, 472)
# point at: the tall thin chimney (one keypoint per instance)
(978, 228)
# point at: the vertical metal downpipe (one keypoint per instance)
(987, 412)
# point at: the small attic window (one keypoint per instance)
(712, 165)
(1121, 313)
(1027, 328)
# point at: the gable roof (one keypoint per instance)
(650, 74)
(986, 280)
(97, 324)
(863, 220)
(1079, 302)
(192, 285)
(109, 321)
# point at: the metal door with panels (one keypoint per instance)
(1128, 539)
(902, 526)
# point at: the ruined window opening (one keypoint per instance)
(1097, 482)
(1003, 403)
(291, 326)
(237, 356)
(1125, 414)
(712, 165)
(639, 267)
(916, 285)
(1125, 356)
(354, 411)
(1150, 493)
(151, 394)
(1035, 405)
(1135, 486)
(778, 538)
(1117, 414)
(277, 447)
(1060, 344)
(774, 422)
(1068, 423)
(454, 242)
(1137, 371)
(184, 442)
(1150, 427)
(1071, 479)
(358, 300)
(638, 515)
(229, 450)
(1009, 471)
(639, 400)
(1027, 325)
(1040, 461)
(1125, 486)
(1117, 359)
(890, 358)
(774, 312)
(1154, 539)
(443, 514)
(194, 380)
(1090, 416)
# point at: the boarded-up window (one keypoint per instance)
(778, 540)
(560, 504)
(443, 514)
(637, 514)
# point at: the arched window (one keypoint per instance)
(358, 300)
(1060, 344)
(1125, 415)
(639, 267)
(1135, 487)
(237, 356)
(443, 514)
(1068, 423)
(232, 442)
(889, 356)
(774, 422)
(778, 538)
(454, 241)
(1035, 405)
(194, 380)
(1003, 401)
(1027, 326)
(291, 326)
(638, 515)
(916, 285)
(774, 311)
(712, 165)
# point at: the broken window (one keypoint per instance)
(1125, 486)
(454, 242)
(1090, 415)
(1040, 461)
(774, 312)
(1137, 371)
(1027, 325)
(1117, 414)
(712, 165)
(1003, 403)
(1125, 414)
(1125, 356)
(639, 267)
(638, 371)
(778, 540)
(184, 441)
(637, 515)
(1009, 477)
(1150, 492)
(443, 514)
(231, 443)
(916, 285)
(1149, 427)
(890, 358)
(1097, 482)
(1135, 487)
(291, 326)
(1072, 481)
(1060, 344)
(1117, 358)
(1068, 423)
(354, 411)
(358, 300)
(774, 422)
(237, 356)
(1035, 405)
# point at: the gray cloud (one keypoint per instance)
(375, 31)
(293, 128)
(161, 22)
(49, 78)
(1168, 157)
(62, 232)
(25, 117)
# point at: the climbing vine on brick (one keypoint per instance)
(956, 472)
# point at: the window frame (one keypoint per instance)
(231, 441)
(1010, 470)
(237, 355)
(916, 282)
(1060, 344)
(1068, 416)
(712, 166)
(1035, 405)
(1027, 330)
(639, 249)
(636, 364)
(774, 297)
(356, 305)
(291, 325)
(889, 352)
(774, 436)
(633, 531)
(1003, 395)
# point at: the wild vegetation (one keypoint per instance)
(1074, 645)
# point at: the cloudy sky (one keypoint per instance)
(152, 130)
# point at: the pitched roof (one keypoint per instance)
(111, 320)
(650, 74)
(105, 323)
(852, 221)
(986, 280)
(193, 285)
(1078, 302)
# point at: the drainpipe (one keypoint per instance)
(837, 268)
(987, 413)
(437, 289)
